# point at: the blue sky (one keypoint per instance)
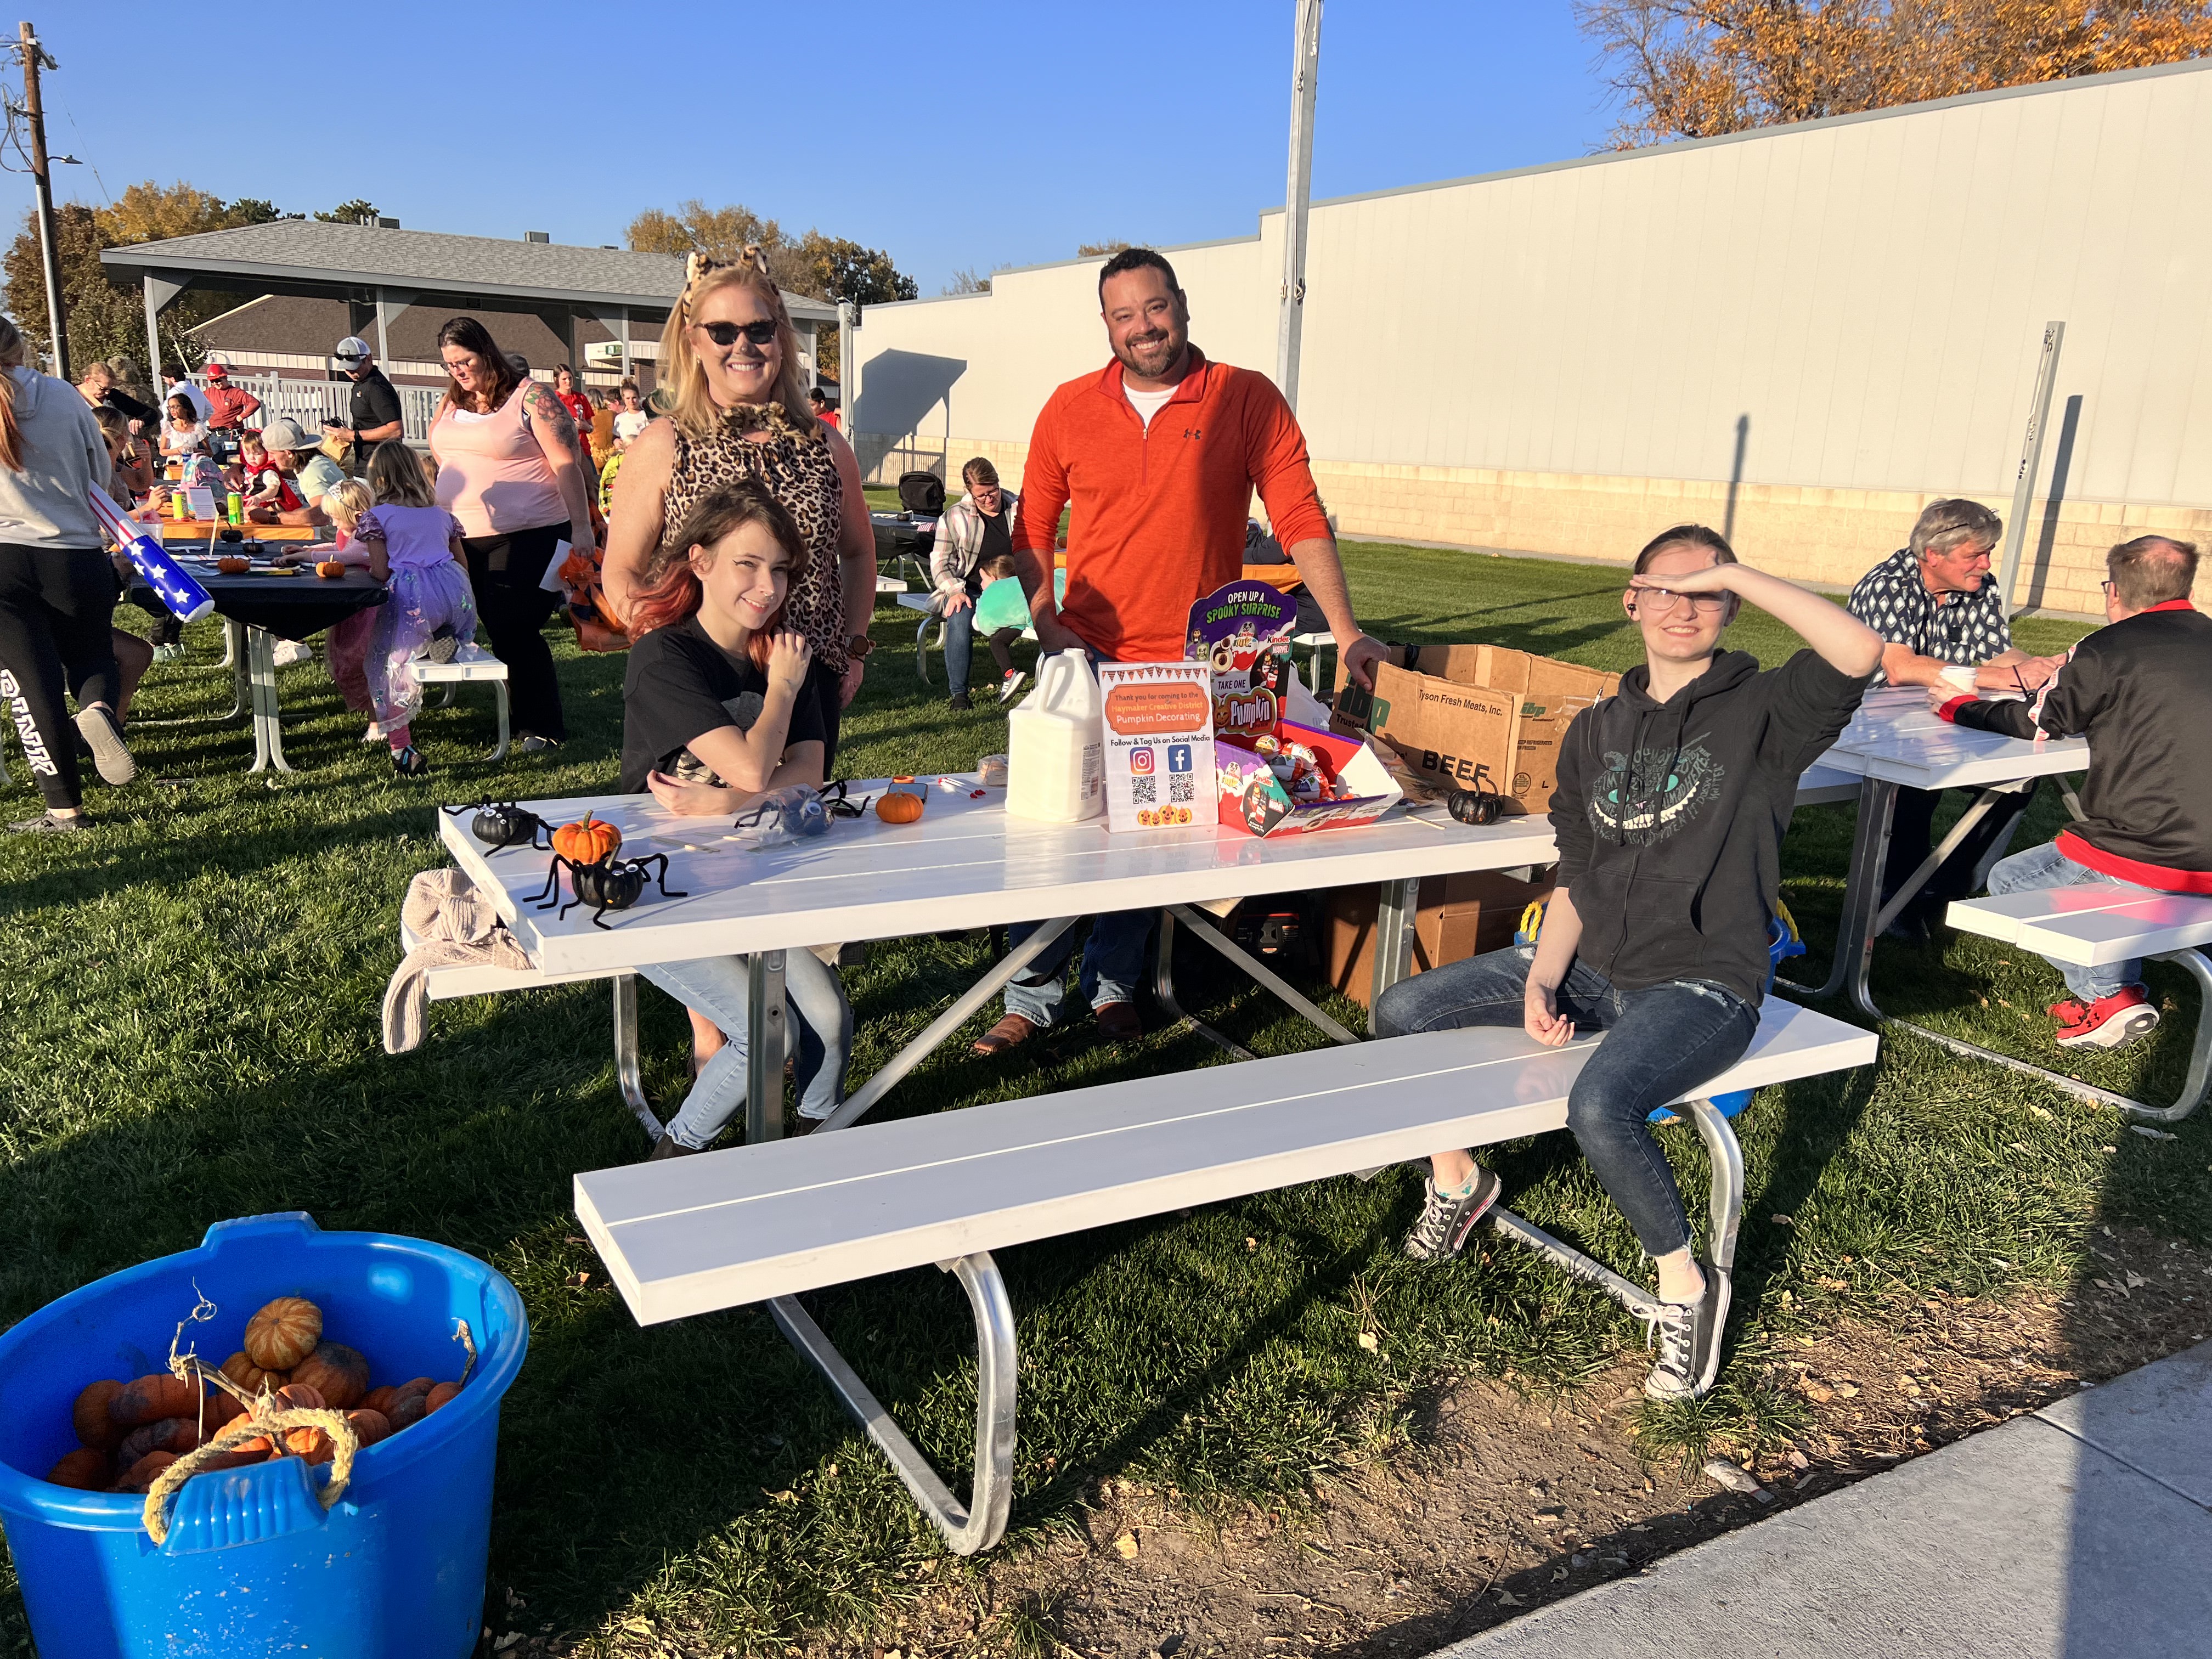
(954, 135)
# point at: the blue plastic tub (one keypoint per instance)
(253, 1564)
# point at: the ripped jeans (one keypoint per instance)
(1661, 1042)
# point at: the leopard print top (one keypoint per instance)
(803, 474)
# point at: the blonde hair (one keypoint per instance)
(12, 348)
(396, 476)
(684, 378)
(346, 501)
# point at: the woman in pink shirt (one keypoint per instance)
(507, 469)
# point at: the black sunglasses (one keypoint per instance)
(726, 334)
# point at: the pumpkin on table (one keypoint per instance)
(899, 807)
(587, 841)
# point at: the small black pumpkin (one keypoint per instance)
(1474, 805)
(501, 823)
(614, 885)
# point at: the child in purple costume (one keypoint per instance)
(413, 547)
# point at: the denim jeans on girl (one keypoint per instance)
(1661, 1042)
(2046, 866)
(715, 987)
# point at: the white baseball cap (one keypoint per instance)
(353, 350)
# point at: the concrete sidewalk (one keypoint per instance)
(2084, 1530)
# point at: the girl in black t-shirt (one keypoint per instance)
(714, 712)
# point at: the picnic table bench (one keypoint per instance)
(764, 1223)
(2092, 926)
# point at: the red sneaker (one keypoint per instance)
(2112, 1023)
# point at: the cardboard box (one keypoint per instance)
(1459, 916)
(1475, 716)
(1158, 721)
(1253, 800)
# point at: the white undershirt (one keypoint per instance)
(1146, 403)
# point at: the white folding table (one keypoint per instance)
(966, 863)
(1896, 740)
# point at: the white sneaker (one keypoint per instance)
(290, 654)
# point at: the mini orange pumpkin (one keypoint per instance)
(337, 1372)
(141, 1474)
(441, 1396)
(232, 565)
(152, 1398)
(371, 1426)
(94, 1427)
(328, 569)
(283, 1333)
(240, 1368)
(899, 807)
(587, 841)
(85, 1469)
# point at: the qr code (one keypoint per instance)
(1181, 786)
(1143, 791)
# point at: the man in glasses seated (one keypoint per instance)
(1672, 800)
(1942, 622)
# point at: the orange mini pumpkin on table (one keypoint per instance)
(233, 565)
(330, 569)
(900, 806)
(587, 841)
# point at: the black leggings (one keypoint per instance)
(505, 571)
(1001, 641)
(55, 607)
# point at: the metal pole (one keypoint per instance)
(2031, 459)
(1306, 71)
(34, 56)
(848, 363)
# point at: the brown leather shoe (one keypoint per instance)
(1009, 1032)
(1118, 1021)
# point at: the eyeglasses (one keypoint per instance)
(1663, 600)
(726, 334)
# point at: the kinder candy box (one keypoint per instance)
(1297, 778)
(1242, 632)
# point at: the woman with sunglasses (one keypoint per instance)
(508, 470)
(729, 361)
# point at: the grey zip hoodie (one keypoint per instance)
(63, 454)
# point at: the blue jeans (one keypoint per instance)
(1113, 963)
(2046, 866)
(959, 645)
(1661, 1044)
(715, 987)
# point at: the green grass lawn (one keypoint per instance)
(192, 1035)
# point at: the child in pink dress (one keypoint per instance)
(413, 547)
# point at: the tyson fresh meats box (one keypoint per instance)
(1159, 743)
(1475, 716)
(1257, 799)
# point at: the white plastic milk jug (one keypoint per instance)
(1057, 744)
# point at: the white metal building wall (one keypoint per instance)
(1868, 291)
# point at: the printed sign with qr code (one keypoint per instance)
(1159, 723)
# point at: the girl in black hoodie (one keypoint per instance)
(1672, 802)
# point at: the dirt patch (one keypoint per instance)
(1506, 1501)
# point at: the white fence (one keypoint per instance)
(310, 402)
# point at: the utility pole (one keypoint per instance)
(34, 56)
(1305, 69)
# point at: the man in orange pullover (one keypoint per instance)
(1158, 454)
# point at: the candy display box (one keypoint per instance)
(1257, 801)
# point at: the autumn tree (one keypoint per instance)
(106, 316)
(1090, 250)
(817, 266)
(1692, 68)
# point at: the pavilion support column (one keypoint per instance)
(159, 292)
(389, 302)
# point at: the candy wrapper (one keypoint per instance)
(1297, 778)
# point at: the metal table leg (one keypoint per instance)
(628, 1074)
(1399, 903)
(1202, 928)
(764, 1046)
(2193, 1087)
(982, 1521)
(268, 730)
(864, 1098)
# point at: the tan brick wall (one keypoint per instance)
(1829, 536)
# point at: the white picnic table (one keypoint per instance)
(965, 865)
(1897, 741)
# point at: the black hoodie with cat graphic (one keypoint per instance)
(1669, 816)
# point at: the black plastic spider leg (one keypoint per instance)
(549, 895)
(660, 875)
(597, 915)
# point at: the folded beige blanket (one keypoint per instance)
(455, 924)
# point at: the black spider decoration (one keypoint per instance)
(801, 812)
(504, 823)
(1476, 805)
(610, 884)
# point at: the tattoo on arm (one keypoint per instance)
(543, 406)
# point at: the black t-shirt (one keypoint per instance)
(375, 404)
(995, 542)
(680, 685)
